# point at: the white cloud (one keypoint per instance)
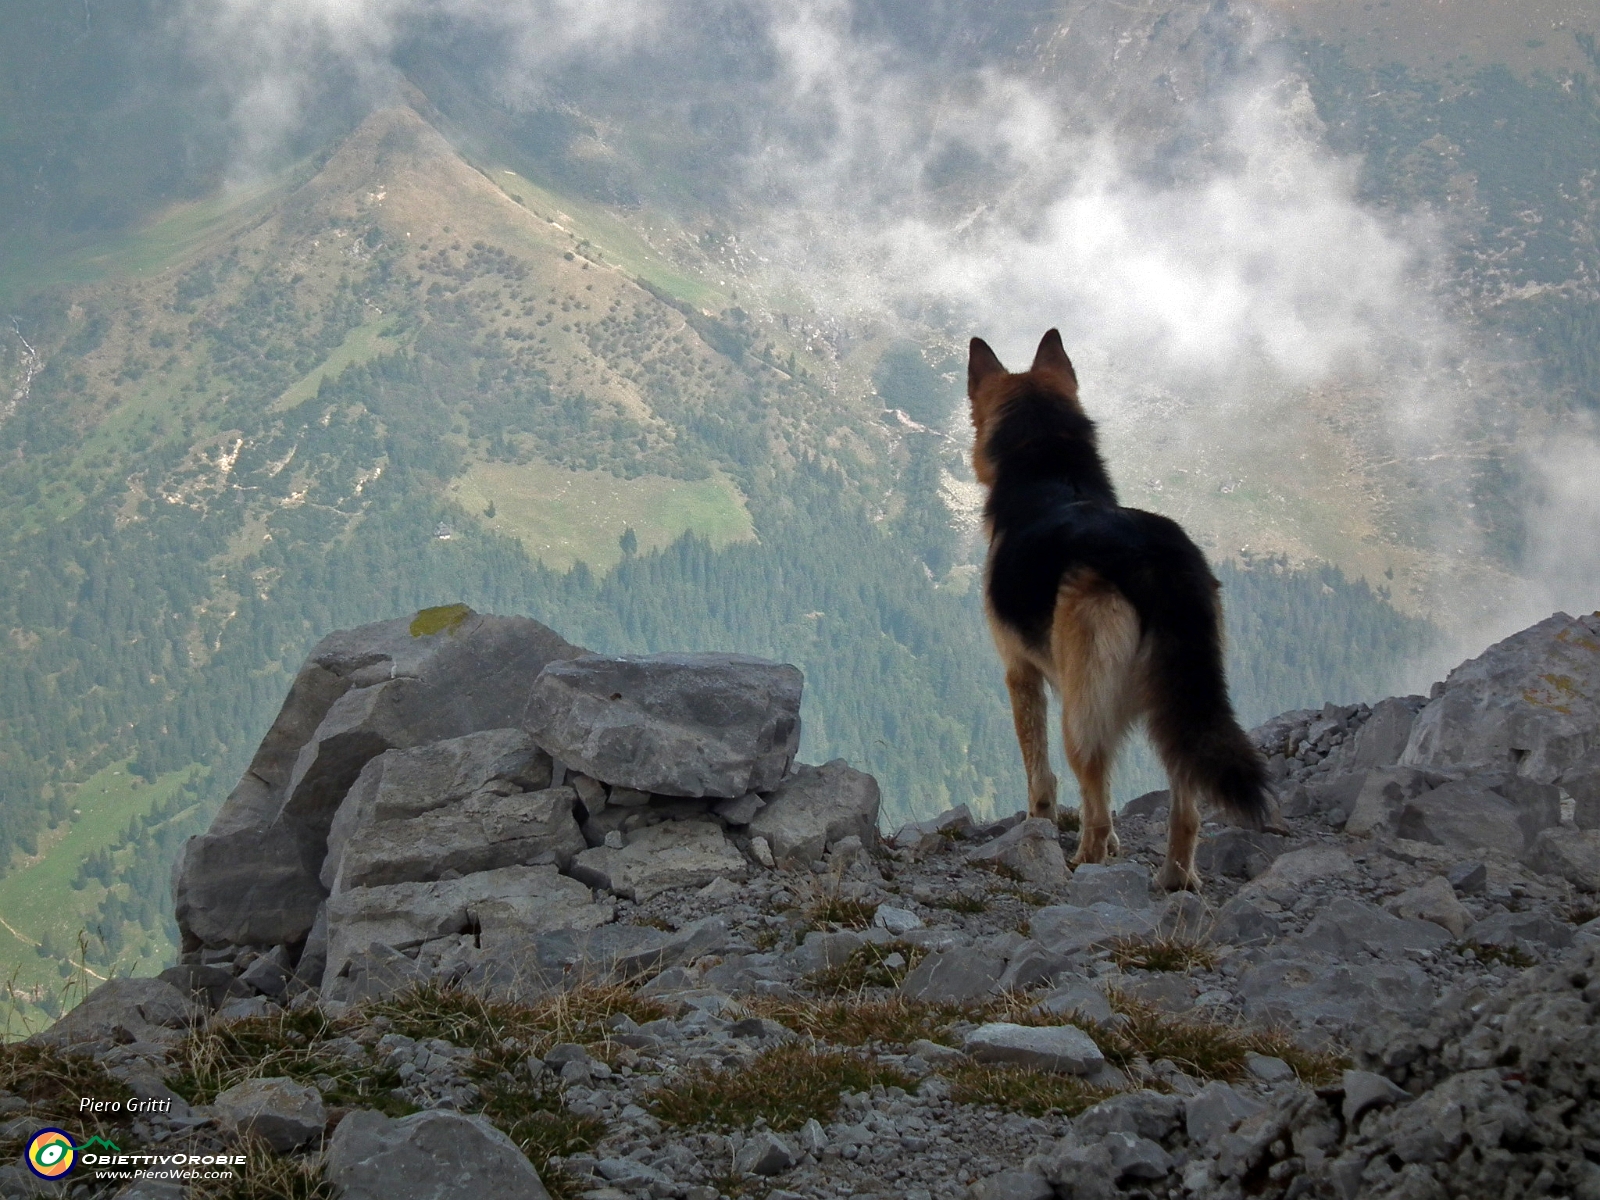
(1238, 262)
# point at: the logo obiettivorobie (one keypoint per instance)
(52, 1153)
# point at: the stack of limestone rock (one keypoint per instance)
(444, 797)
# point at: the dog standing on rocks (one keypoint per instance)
(1114, 607)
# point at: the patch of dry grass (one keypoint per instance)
(869, 966)
(53, 1082)
(502, 1032)
(1163, 954)
(960, 902)
(266, 1176)
(214, 1058)
(1508, 955)
(833, 912)
(1202, 1048)
(892, 1020)
(786, 1086)
(1023, 1089)
(1205, 1049)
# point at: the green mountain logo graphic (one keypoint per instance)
(99, 1143)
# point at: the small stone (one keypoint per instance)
(1013, 1185)
(762, 851)
(1064, 1049)
(1032, 849)
(285, 1114)
(741, 811)
(1268, 1068)
(896, 920)
(763, 1153)
(1433, 901)
(1468, 878)
(811, 1138)
(1126, 885)
(1136, 1158)
(1214, 1110)
(1364, 1090)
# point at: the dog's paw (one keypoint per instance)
(1175, 877)
(1093, 850)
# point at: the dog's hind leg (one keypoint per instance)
(1183, 829)
(1029, 708)
(1096, 649)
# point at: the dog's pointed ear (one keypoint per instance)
(1052, 357)
(981, 364)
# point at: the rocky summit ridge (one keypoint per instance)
(490, 915)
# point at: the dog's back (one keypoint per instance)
(1114, 606)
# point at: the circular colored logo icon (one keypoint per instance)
(51, 1154)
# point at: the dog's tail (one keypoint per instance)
(1191, 721)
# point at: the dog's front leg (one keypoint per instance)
(1029, 710)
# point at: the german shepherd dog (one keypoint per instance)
(1115, 608)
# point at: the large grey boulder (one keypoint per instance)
(816, 806)
(283, 1113)
(671, 724)
(1433, 901)
(124, 1010)
(1314, 991)
(1573, 854)
(495, 827)
(1348, 926)
(1582, 782)
(401, 784)
(1070, 929)
(432, 1155)
(656, 858)
(1529, 704)
(1494, 812)
(567, 958)
(1124, 884)
(1384, 736)
(958, 975)
(253, 877)
(503, 906)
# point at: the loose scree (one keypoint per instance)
(1114, 607)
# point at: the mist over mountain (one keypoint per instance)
(648, 320)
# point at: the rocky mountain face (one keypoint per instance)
(1390, 992)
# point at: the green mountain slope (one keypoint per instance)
(391, 380)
